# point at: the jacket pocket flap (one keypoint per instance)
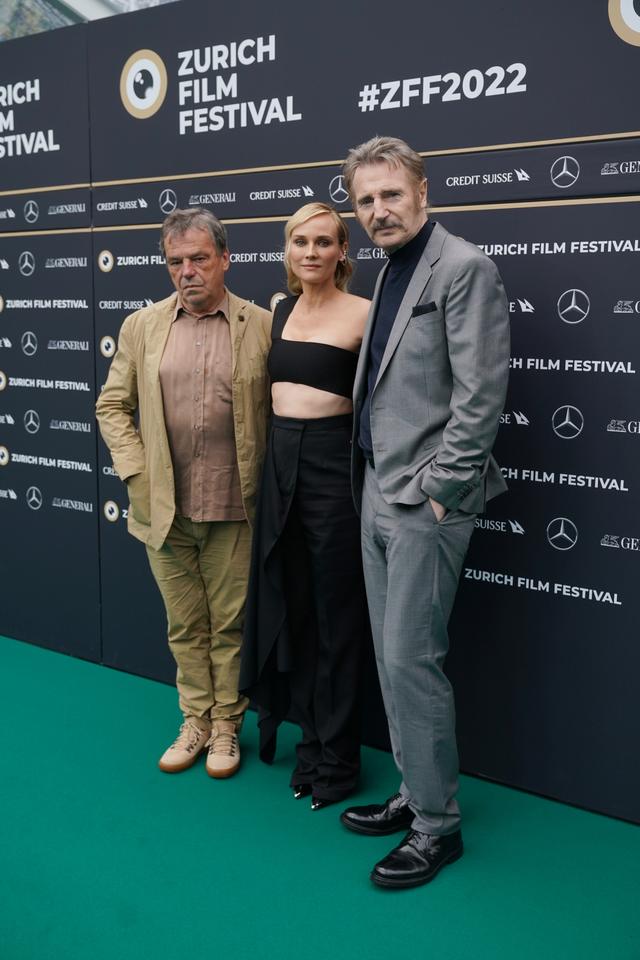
(421, 308)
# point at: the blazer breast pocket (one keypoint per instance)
(421, 308)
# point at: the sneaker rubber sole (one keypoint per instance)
(179, 767)
(223, 774)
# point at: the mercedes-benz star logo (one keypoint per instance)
(562, 533)
(337, 190)
(31, 211)
(29, 343)
(3, 380)
(567, 422)
(26, 263)
(4, 457)
(31, 421)
(34, 498)
(168, 201)
(573, 306)
(564, 172)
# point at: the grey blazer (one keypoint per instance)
(441, 386)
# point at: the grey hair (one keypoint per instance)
(389, 150)
(197, 218)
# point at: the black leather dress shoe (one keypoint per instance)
(417, 859)
(378, 819)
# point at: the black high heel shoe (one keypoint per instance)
(301, 790)
(318, 803)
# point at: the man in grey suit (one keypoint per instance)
(428, 394)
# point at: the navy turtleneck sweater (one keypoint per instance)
(402, 264)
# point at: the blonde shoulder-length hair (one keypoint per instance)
(344, 268)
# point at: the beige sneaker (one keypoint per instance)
(223, 758)
(186, 748)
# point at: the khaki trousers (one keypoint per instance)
(202, 571)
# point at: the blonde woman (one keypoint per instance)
(306, 621)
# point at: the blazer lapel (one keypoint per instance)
(417, 285)
(156, 337)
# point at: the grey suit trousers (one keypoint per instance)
(412, 565)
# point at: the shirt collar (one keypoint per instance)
(412, 250)
(223, 307)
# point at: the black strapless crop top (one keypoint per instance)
(319, 365)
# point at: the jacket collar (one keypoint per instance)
(158, 327)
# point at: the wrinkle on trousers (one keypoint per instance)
(412, 565)
(202, 571)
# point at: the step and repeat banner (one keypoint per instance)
(545, 645)
(191, 89)
(49, 571)
(528, 122)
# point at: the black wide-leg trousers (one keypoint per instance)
(307, 555)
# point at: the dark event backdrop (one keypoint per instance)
(526, 117)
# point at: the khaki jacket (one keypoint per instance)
(133, 385)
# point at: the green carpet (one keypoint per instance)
(103, 856)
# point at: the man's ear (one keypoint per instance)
(423, 192)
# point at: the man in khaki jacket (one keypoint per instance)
(194, 368)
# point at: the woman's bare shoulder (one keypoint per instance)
(361, 301)
(358, 306)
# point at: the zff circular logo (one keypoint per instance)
(275, 299)
(143, 84)
(106, 261)
(111, 510)
(107, 346)
(625, 20)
